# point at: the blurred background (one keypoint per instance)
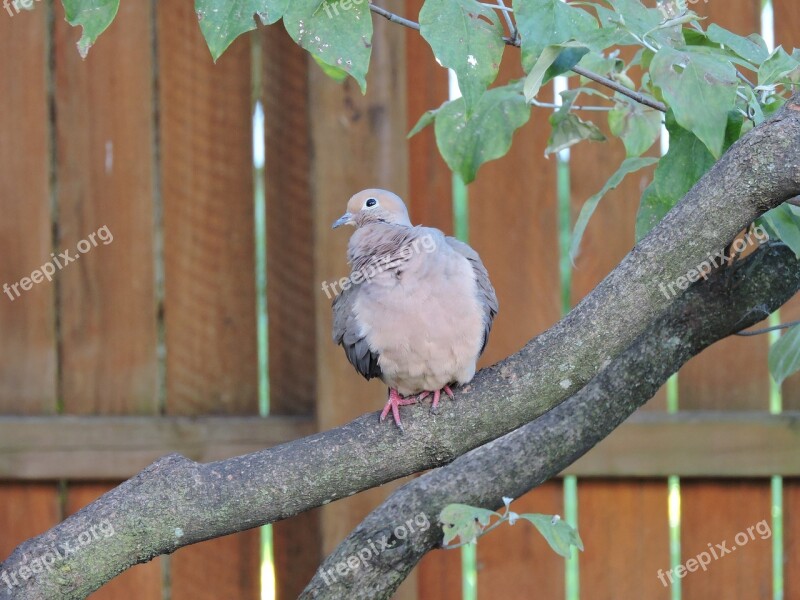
(203, 328)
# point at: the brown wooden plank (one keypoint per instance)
(787, 25)
(112, 448)
(291, 287)
(140, 581)
(430, 189)
(690, 444)
(791, 538)
(27, 323)
(529, 568)
(714, 512)
(514, 227)
(106, 183)
(28, 510)
(206, 135)
(624, 528)
(209, 303)
(104, 137)
(731, 375)
(430, 203)
(356, 142)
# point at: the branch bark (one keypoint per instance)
(176, 502)
(512, 465)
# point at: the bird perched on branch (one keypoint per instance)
(418, 306)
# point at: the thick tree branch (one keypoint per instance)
(525, 458)
(176, 502)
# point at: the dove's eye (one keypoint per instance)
(371, 202)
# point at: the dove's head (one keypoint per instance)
(374, 206)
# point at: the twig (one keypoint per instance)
(535, 102)
(768, 329)
(512, 29)
(618, 87)
(393, 18)
(513, 41)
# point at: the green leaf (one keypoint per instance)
(638, 126)
(752, 48)
(678, 170)
(700, 89)
(426, 119)
(559, 534)
(93, 15)
(222, 21)
(785, 222)
(467, 143)
(784, 355)
(337, 33)
(553, 61)
(467, 37)
(647, 23)
(568, 130)
(463, 521)
(779, 66)
(628, 166)
(543, 23)
(598, 63)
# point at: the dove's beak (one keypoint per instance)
(345, 219)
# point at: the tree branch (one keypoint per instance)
(176, 502)
(515, 41)
(538, 451)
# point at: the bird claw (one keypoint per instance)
(436, 396)
(393, 403)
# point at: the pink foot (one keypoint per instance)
(396, 400)
(436, 395)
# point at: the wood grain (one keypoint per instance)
(115, 448)
(291, 287)
(513, 207)
(105, 174)
(787, 26)
(209, 254)
(626, 538)
(28, 362)
(528, 568)
(731, 375)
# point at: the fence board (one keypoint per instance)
(429, 203)
(291, 287)
(518, 562)
(514, 227)
(787, 26)
(609, 236)
(27, 324)
(731, 375)
(209, 255)
(624, 528)
(104, 138)
(105, 174)
(791, 538)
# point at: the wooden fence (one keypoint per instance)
(149, 344)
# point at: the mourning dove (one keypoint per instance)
(418, 306)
